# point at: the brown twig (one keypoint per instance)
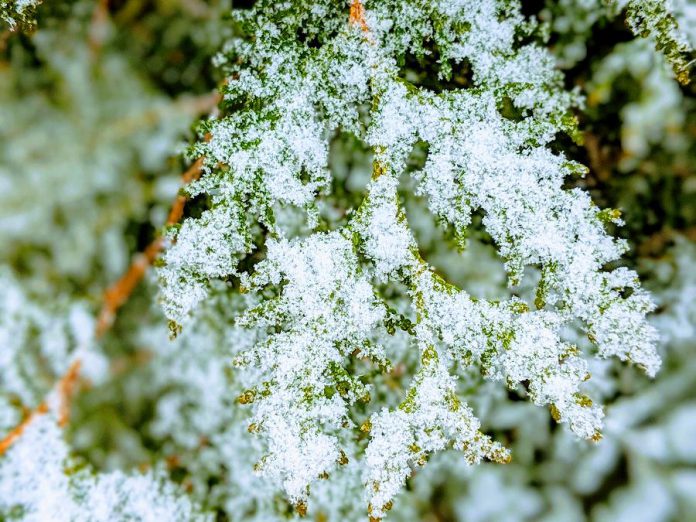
(118, 293)
(656, 244)
(599, 158)
(4, 38)
(186, 104)
(357, 15)
(65, 389)
(19, 429)
(197, 8)
(98, 27)
(121, 290)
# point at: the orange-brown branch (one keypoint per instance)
(98, 27)
(177, 210)
(357, 15)
(65, 390)
(19, 429)
(118, 293)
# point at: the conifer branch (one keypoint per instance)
(360, 340)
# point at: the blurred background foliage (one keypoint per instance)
(96, 100)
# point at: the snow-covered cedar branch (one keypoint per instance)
(308, 71)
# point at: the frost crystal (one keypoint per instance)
(329, 295)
